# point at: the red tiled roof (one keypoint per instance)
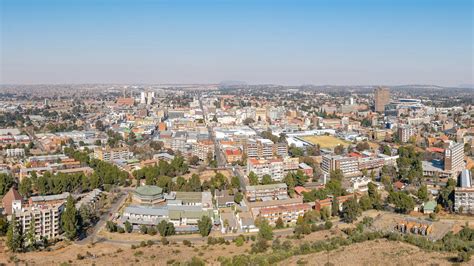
(232, 152)
(398, 185)
(300, 189)
(8, 199)
(435, 149)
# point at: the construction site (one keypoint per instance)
(414, 226)
(433, 230)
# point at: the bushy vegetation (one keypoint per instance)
(460, 242)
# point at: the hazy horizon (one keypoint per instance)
(278, 42)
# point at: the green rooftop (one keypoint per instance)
(148, 190)
(429, 205)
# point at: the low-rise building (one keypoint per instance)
(289, 213)
(327, 203)
(266, 192)
(17, 152)
(307, 170)
(148, 195)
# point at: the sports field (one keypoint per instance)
(326, 142)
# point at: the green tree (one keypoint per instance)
(266, 179)
(166, 228)
(350, 210)
(374, 196)
(69, 219)
(265, 231)
(194, 160)
(253, 179)
(235, 182)
(403, 202)
(195, 183)
(205, 225)
(365, 203)
(14, 237)
(279, 223)
(238, 197)
(128, 227)
(335, 207)
(422, 193)
(31, 234)
(339, 149)
(336, 175)
(6, 182)
(25, 187)
(3, 225)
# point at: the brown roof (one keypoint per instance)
(8, 199)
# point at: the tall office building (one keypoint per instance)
(454, 156)
(382, 98)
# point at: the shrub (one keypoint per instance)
(151, 231)
(328, 225)
(239, 241)
(164, 241)
(187, 243)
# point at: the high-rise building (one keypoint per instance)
(454, 156)
(405, 132)
(464, 194)
(45, 219)
(382, 98)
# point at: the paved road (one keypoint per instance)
(103, 219)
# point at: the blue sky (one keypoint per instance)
(379, 42)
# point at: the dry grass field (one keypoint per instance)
(375, 252)
(326, 142)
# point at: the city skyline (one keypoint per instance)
(261, 42)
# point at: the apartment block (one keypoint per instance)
(348, 165)
(202, 148)
(111, 154)
(289, 214)
(405, 132)
(264, 148)
(266, 192)
(464, 195)
(261, 167)
(46, 219)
